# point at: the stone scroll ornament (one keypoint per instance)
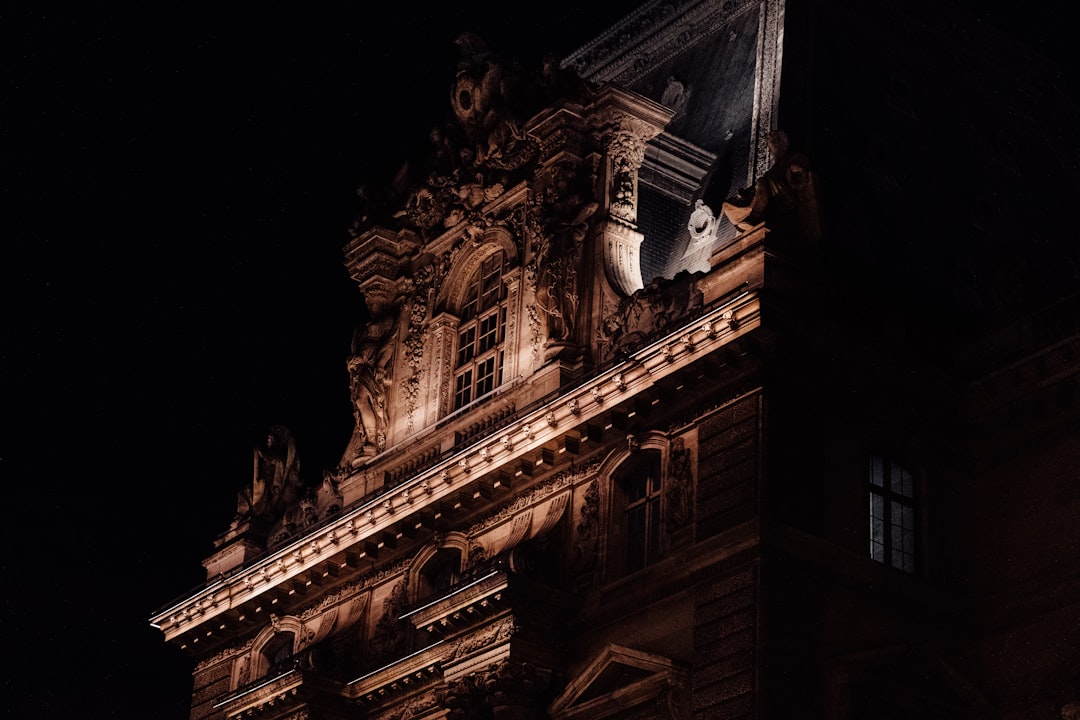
(622, 126)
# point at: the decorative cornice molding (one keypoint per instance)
(653, 34)
(664, 356)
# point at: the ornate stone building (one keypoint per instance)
(654, 421)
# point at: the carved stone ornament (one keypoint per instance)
(588, 528)
(702, 224)
(623, 136)
(558, 218)
(784, 197)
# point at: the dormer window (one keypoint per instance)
(478, 369)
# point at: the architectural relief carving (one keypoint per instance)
(466, 698)
(679, 486)
(676, 95)
(484, 638)
(498, 688)
(588, 529)
(478, 555)
(370, 366)
(426, 283)
(647, 312)
(482, 100)
(702, 224)
(770, 51)
(415, 707)
(388, 637)
(634, 46)
(623, 137)
(559, 211)
(226, 654)
(476, 157)
(533, 497)
(276, 484)
(785, 197)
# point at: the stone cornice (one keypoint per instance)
(651, 35)
(546, 423)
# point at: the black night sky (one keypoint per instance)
(178, 182)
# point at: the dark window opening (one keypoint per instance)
(892, 514)
(279, 652)
(637, 511)
(439, 573)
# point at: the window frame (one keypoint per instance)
(893, 514)
(636, 532)
(479, 352)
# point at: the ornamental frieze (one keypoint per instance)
(534, 497)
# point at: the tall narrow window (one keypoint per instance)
(480, 334)
(637, 502)
(892, 514)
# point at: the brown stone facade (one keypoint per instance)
(573, 491)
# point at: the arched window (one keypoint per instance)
(439, 573)
(278, 652)
(892, 514)
(482, 329)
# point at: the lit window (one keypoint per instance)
(636, 513)
(892, 514)
(480, 334)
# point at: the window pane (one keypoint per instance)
(634, 487)
(488, 332)
(463, 389)
(877, 470)
(468, 310)
(908, 562)
(653, 530)
(892, 514)
(902, 536)
(635, 538)
(466, 345)
(485, 376)
(877, 527)
(491, 282)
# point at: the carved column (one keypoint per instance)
(512, 281)
(440, 391)
(623, 123)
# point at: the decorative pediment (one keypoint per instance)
(620, 678)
